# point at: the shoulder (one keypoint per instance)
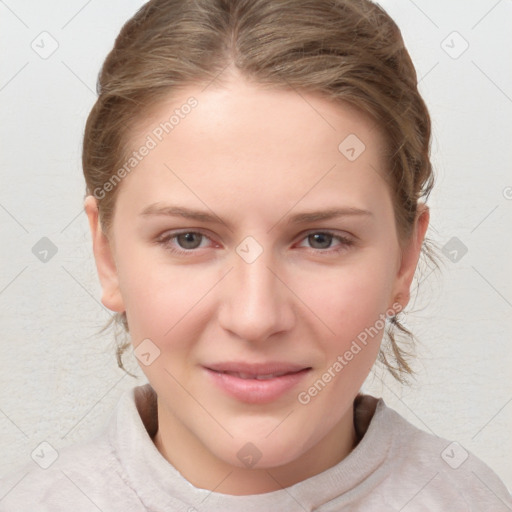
(81, 477)
(438, 472)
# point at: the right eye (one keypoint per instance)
(182, 242)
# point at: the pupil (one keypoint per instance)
(323, 238)
(186, 240)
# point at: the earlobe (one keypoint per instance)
(410, 257)
(104, 258)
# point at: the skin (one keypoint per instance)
(254, 157)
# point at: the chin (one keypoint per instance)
(262, 453)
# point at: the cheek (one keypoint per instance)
(352, 302)
(349, 298)
(163, 300)
(163, 304)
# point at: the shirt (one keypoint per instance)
(394, 467)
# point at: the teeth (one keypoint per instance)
(241, 375)
(270, 376)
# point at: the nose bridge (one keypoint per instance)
(256, 302)
(256, 283)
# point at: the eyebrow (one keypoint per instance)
(299, 218)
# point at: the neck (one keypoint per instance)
(204, 470)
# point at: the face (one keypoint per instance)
(255, 252)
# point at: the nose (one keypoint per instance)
(256, 302)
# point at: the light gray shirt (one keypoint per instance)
(394, 467)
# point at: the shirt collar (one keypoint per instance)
(158, 483)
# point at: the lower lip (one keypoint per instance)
(254, 391)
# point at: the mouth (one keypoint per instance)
(268, 376)
(256, 383)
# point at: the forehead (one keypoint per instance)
(250, 113)
(243, 138)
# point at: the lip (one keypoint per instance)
(239, 379)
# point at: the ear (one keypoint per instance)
(105, 263)
(410, 256)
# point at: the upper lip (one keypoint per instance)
(255, 369)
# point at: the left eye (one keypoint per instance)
(324, 240)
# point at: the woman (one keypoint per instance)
(256, 175)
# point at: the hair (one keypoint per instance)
(348, 51)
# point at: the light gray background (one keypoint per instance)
(58, 377)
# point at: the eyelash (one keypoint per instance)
(166, 238)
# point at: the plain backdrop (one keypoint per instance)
(58, 377)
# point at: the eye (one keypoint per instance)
(323, 240)
(184, 242)
(188, 242)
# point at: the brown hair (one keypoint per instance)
(345, 50)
